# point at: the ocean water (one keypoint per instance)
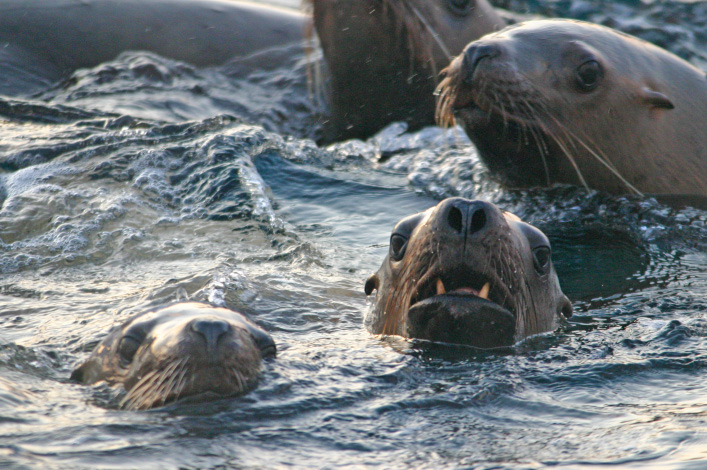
(143, 181)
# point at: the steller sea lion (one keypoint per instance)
(384, 56)
(44, 41)
(466, 272)
(564, 101)
(183, 350)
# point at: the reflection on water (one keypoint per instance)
(120, 200)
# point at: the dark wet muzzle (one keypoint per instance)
(473, 55)
(466, 218)
(211, 331)
(462, 319)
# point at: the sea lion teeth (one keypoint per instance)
(440, 287)
(484, 293)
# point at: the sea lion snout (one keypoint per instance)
(210, 330)
(467, 219)
(473, 54)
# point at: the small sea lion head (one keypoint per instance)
(183, 350)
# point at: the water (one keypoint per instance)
(157, 182)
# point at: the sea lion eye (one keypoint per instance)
(588, 75)
(127, 349)
(398, 243)
(460, 7)
(541, 259)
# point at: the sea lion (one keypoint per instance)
(183, 350)
(44, 41)
(564, 101)
(466, 272)
(384, 56)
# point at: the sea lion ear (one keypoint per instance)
(372, 283)
(656, 99)
(565, 306)
(79, 374)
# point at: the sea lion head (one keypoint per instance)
(466, 272)
(182, 350)
(572, 102)
(383, 57)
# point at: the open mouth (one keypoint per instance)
(462, 307)
(462, 282)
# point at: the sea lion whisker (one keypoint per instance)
(433, 34)
(601, 159)
(154, 389)
(560, 142)
(524, 127)
(132, 399)
(167, 373)
(136, 394)
(539, 140)
(445, 97)
(180, 383)
(239, 378)
(499, 104)
(567, 153)
(167, 388)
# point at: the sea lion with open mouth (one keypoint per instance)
(466, 272)
(183, 350)
(564, 101)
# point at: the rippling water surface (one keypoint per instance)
(144, 181)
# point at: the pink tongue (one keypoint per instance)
(466, 290)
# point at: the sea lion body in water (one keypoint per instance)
(43, 41)
(384, 57)
(466, 272)
(563, 101)
(183, 350)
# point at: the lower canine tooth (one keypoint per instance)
(440, 287)
(484, 293)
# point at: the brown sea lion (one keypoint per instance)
(384, 56)
(563, 101)
(466, 272)
(183, 350)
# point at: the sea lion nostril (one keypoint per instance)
(211, 330)
(478, 221)
(454, 218)
(473, 54)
